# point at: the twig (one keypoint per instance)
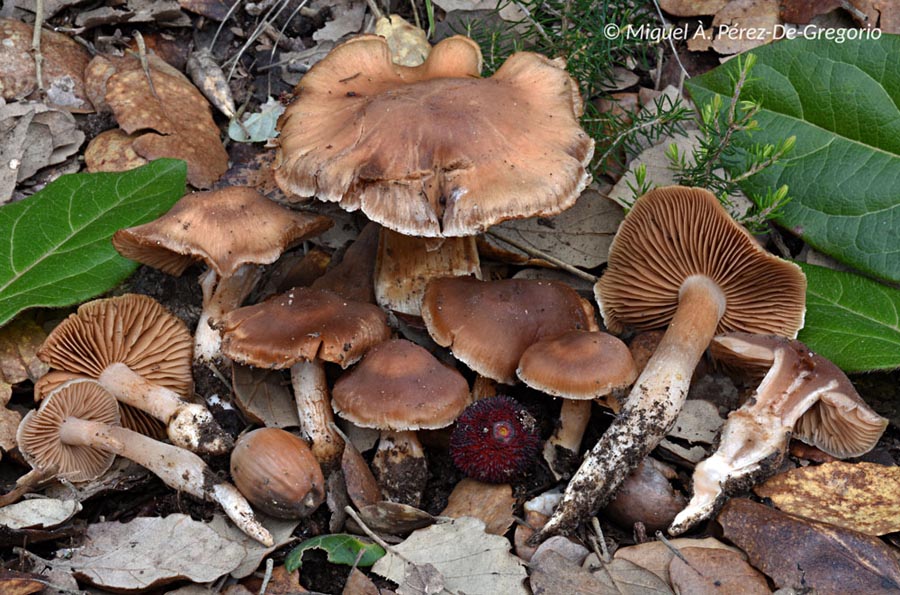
(669, 39)
(595, 524)
(145, 65)
(222, 24)
(672, 548)
(36, 44)
(270, 564)
(270, 17)
(375, 10)
(217, 373)
(374, 536)
(532, 251)
(415, 11)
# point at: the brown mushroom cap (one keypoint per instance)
(434, 150)
(400, 386)
(675, 232)
(38, 434)
(578, 365)
(301, 325)
(489, 324)
(840, 422)
(225, 228)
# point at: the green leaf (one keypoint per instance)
(341, 549)
(55, 247)
(842, 101)
(851, 320)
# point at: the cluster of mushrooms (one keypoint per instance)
(404, 145)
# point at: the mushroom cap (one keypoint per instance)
(840, 422)
(434, 150)
(38, 434)
(578, 365)
(489, 324)
(131, 329)
(400, 386)
(301, 325)
(675, 232)
(225, 228)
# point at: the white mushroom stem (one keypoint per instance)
(650, 409)
(220, 296)
(178, 468)
(315, 412)
(754, 438)
(188, 425)
(562, 447)
(400, 467)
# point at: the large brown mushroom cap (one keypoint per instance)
(434, 150)
(38, 435)
(489, 324)
(224, 228)
(675, 232)
(301, 325)
(400, 386)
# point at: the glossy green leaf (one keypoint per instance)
(55, 247)
(341, 549)
(851, 320)
(842, 101)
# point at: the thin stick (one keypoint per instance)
(375, 10)
(145, 65)
(270, 564)
(415, 11)
(599, 531)
(374, 536)
(671, 43)
(36, 44)
(532, 251)
(222, 24)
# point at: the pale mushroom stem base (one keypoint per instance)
(178, 468)
(561, 449)
(649, 411)
(220, 296)
(400, 467)
(315, 412)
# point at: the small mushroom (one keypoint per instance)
(578, 367)
(801, 395)
(678, 259)
(142, 355)
(76, 432)
(277, 473)
(231, 230)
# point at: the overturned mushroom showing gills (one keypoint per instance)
(76, 431)
(802, 394)
(141, 354)
(677, 259)
(434, 150)
(301, 329)
(232, 231)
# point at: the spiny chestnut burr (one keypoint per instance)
(495, 440)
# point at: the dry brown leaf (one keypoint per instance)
(253, 551)
(858, 496)
(697, 425)
(492, 503)
(745, 24)
(656, 556)
(706, 571)
(19, 343)
(394, 518)
(112, 150)
(20, 583)
(347, 18)
(802, 554)
(353, 276)
(281, 582)
(692, 8)
(552, 574)
(263, 397)
(212, 9)
(801, 12)
(408, 44)
(360, 482)
(359, 584)
(164, 12)
(43, 513)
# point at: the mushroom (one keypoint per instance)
(801, 395)
(434, 150)
(277, 473)
(399, 388)
(301, 329)
(489, 324)
(76, 432)
(232, 230)
(677, 259)
(141, 354)
(579, 367)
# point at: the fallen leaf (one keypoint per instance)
(692, 8)
(394, 518)
(281, 582)
(408, 44)
(341, 548)
(694, 430)
(253, 551)
(150, 551)
(468, 559)
(257, 126)
(212, 9)
(656, 556)
(112, 150)
(801, 12)
(346, 19)
(41, 513)
(362, 487)
(163, 12)
(19, 343)
(706, 571)
(263, 397)
(745, 24)
(20, 583)
(359, 584)
(553, 574)
(492, 503)
(565, 547)
(802, 554)
(858, 496)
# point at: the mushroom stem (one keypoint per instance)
(561, 450)
(220, 296)
(315, 412)
(400, 467)
(650, 409)
(188, 425)
(178, 468)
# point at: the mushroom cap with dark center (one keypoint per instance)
(489, 324)
(840, 422)
(400, 386)
(38, 435)
(224, 228)
(434, 150)
(674, 233)
(301, 325)
(578, 365)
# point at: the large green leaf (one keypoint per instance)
(341, 548)
(55, 246)
(842, 101)
(851, 320)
